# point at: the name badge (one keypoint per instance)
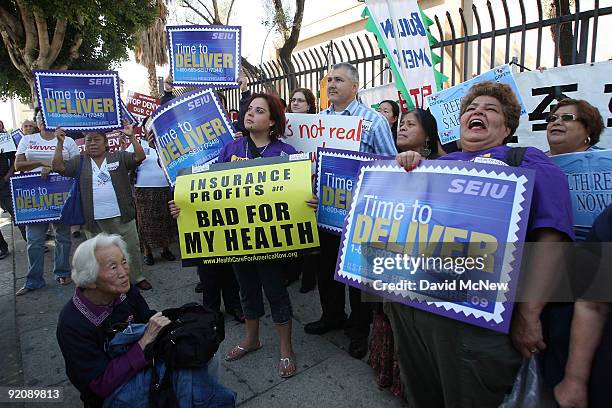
(112, 166)
(103, 177)
(366, 125)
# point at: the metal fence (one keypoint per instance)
(464, 53)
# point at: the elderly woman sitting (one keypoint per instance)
(103, 298)
(463, 365)
(103, 301)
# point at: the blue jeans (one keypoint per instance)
(194, 387)
(252, 277)
(36, 235)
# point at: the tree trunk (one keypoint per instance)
(565, 42)
(153, 85)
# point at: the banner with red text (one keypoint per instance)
(308, 132)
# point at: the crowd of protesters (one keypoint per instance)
(429, 360)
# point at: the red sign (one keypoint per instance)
(140, 104)
(114, 141)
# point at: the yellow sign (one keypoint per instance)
(255, 210)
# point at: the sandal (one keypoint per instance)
(23, 291)
(66, 280)
(287, 367)
(237, 352)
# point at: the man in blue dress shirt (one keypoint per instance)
(376, 138)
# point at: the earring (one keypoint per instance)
(426, 149)
(588, 140)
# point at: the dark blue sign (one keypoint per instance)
(190, 131)
(204, 55)
(337, 173)
(37, 200)
(444, 237)
(79, 100)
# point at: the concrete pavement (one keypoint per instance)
(327, 376)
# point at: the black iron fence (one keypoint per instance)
(551, 38)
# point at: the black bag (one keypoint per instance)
(515, 156)
(191, 339)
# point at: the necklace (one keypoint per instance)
(246, 149)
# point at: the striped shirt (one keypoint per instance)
(376, 135)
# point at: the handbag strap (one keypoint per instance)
(78, 175)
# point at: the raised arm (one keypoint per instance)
(58, 160)
(139, 153)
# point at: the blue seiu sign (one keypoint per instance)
(337, 173)
(204, 55)
(79, 100)
(444, 238)
(190, 131)
(37, 200)
(445, 105)
(17, 134)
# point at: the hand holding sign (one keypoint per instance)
(409, 160)
(60, 135)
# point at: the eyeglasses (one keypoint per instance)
(298, 100)
(565, 117)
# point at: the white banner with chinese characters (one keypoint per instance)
(542, 90)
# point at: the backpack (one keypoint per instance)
(189, 341)
(515, 156)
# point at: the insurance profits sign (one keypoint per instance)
(204, 55)
(246, 210)
(79, 100)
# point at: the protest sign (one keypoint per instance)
(445, 233)
(248, 210)
(402, 32)
(589, 175)
(445, 105)
(372, 97)
(141, 104)
(190, 131)
(17, 134)
(114, 141)
(204, 55)
(7, 144)
(37, 200)
(79, 100)
(307, 132)
(542, 90)
(337, 172)
(127, 115)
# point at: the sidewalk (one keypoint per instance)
(327, 376)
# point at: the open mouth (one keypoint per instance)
(476, 124)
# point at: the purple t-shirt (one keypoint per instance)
(551, 206)
(238, 149)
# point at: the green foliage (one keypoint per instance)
(108, 31)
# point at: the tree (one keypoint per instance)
(290, 35)
(214, 13)
(565, 42)
(63, 34)
(151, 48)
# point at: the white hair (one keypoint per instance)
(85, 266)
(352, 72)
